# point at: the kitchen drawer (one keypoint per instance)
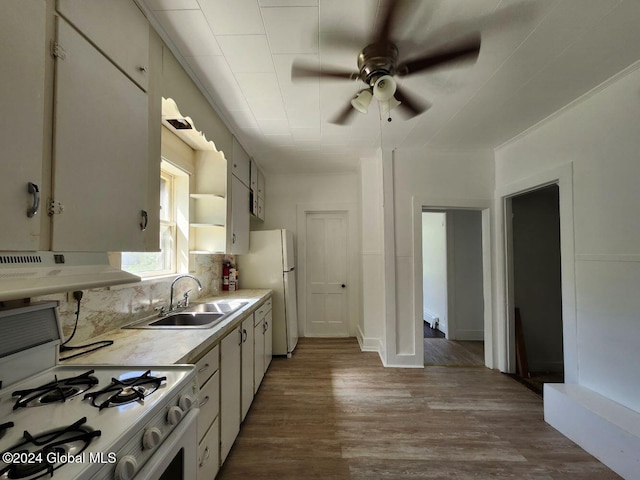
(209, 454)
(261, 312)
(209, 400)
(208, 365)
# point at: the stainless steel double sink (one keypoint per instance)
(200, 315)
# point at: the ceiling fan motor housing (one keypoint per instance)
(376, 60)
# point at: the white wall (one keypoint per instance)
(434, 268)
(371, 327)
(419, 177)
(284, 192)
(599, 135)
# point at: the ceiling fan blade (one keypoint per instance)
(345, 116)
(388, 9)
(410, 104)
(465, 50)
(300, 71)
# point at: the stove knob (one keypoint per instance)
(174, 415)
(126, 468)
(151, 438)
(185, 402)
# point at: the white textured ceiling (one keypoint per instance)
(536, 57)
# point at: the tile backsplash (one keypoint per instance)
(105, 309)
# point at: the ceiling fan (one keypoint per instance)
(379, 63)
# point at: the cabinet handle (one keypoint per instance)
(33, 189)
(206, 366)
(244, 335)
(266, 327)
(204, 401)
(145, 220)
(234, 238)
(142, 69)
(207, 453)
(241, 337)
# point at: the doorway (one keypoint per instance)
(535, 268)
(452, 283)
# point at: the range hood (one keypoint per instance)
(28, 274)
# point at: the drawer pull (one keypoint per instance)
(207, 454)
(204, 401)
(206, 366)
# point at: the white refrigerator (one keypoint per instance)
(270, 264)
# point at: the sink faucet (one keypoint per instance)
(173, 284)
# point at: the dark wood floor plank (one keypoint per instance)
(332, 412)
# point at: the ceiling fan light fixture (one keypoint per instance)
(389, 105)
(362, 101)
(384, 88)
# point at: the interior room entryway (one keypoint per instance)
(452, 287)
(537, 289)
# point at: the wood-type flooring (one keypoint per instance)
(334, 412)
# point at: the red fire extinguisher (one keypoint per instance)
(226, 270)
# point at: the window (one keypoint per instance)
(164, 262)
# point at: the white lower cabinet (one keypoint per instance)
(247, 365)
(230, 371)
(209, 453)
(228, 375)
(258, 352)
(208, 424)
(263, 343)
(268, 340)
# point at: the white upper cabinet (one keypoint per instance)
(101, 151)
(240, 219)
(241, 164)
(22, 103)
(117, 28)
(254, 177)
(261, 184)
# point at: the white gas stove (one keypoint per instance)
(81, 422)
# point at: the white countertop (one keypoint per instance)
(158, 346)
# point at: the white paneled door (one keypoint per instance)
(326, 275)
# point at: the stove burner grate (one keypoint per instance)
(122, 392)
(4, 427)
(55, 391)
(71, 440)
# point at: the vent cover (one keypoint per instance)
(23, 259)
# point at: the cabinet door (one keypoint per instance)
(247, 364)
(261, 208)
(254, 204)
(208, 454)
(118, 28)
(22, 101)
(230, 361)
(100, 157)
(258, 370)
(254, 177)
(261, 184)
(240, 217)
(268, 340)
(241, 165)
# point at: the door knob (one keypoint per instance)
(344, 286)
